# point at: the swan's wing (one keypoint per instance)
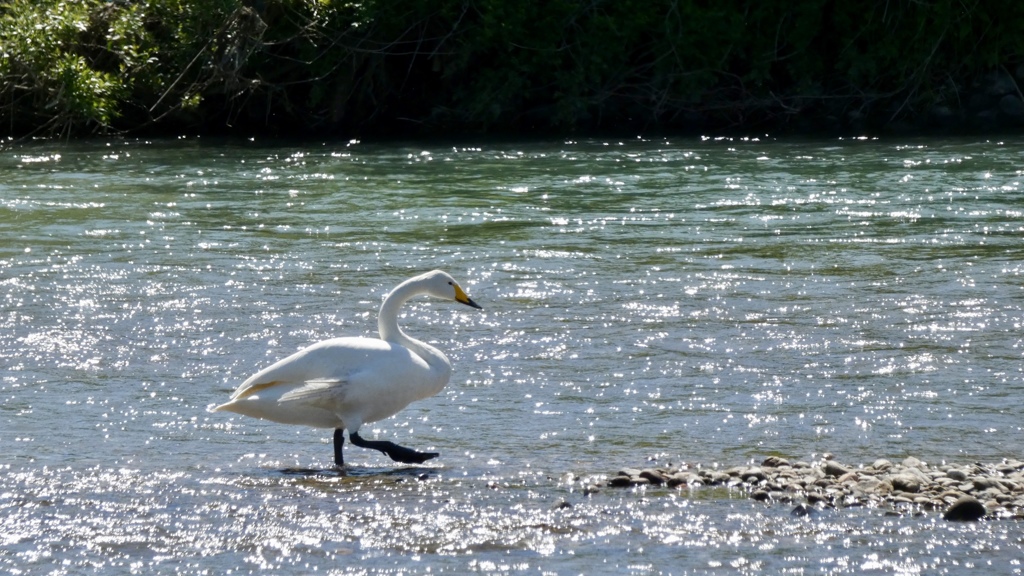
(329, 360)
(322, 392)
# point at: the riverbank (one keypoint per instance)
(958, 491)
(293, 68)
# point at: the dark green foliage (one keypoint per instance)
(330, 66)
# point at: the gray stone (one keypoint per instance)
(1010, 466)
(803, 510)
(756, 473)
(1005, 468)
(989, 494)
(719, 477)
(654, 476)
(881, 464)
(814, 498)
(906, 482)
(736, 470)
(966, 509)
(684, 479)
(835, 469)
(872, 484)
(619, 481)
(848, 477)
(922, 477)
(958, 475)
(911, 462)
(987, 483)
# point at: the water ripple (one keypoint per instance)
(711, 301)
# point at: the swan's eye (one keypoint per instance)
(450, 283)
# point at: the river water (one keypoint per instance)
(704, 300)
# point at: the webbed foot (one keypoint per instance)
(394, 451)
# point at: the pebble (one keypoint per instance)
(961, 492)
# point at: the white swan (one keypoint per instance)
(344, 383)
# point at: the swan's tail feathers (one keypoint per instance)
(225, 407)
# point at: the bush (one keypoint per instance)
(338, 66)
(78, 66)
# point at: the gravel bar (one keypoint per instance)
(962, 492)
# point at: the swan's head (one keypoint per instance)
(441, 285)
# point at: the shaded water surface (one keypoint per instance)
(709, 301)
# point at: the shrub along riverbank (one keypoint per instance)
(392, 67)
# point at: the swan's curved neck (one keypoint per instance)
(387, 325)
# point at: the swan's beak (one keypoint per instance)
(461, 298)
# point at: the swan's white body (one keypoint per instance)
(340, 383)
(344, 383)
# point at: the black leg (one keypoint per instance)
(394, 451)
(339, 441)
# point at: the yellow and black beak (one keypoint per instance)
(461, 298)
